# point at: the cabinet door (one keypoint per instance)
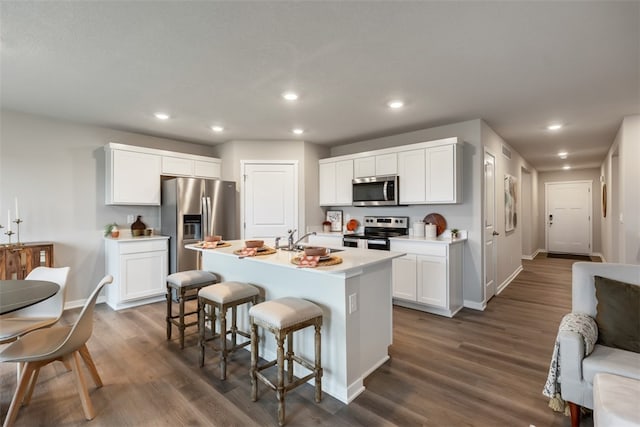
(204, 169)
(432, 280)
(142, 275)
(134, 178)
(411, 176)
(364, 166)
(387, 164)
(327, 183)
(440, 180)
(175, 166)
(404, 277)
(343, 178)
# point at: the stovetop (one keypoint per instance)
(383, 227)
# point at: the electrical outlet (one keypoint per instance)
(130, 219)
(353, 303)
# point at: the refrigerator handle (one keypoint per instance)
(205, 219)
(209, 217)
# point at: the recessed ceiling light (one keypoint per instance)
(161, 116)
(217, 128)
(566, 167)
(298, 131)
(395, 104)
(555, 126)
(563, 154)
(290, 96)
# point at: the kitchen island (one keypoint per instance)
(355, 297)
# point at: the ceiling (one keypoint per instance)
(518, 65)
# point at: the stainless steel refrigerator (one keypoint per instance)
(193, 208)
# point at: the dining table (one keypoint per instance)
(17, 294)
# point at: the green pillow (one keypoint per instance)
(618, 314)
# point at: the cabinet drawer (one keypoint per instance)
(420, 248)
(142, 246)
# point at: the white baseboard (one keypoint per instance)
(80, 302)
(598, 254)
(531, 257)
(508, 280)
(474, 305)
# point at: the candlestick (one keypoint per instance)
(18, 221)
(9, 219)
(9, 233)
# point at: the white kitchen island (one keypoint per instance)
(355, 297)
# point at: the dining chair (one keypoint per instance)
(41, 315)
(63, 343)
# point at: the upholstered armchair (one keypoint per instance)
(576, 370)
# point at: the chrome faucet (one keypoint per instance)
(291, 244)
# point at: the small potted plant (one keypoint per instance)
(111, 229)
(454, 233)
(326, 226)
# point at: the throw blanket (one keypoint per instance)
(587, 328)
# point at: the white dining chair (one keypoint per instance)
(63, 343)
(41, 315)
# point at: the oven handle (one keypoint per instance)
(376, 242)
(350, 240)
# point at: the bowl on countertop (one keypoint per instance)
(212, 238)
(315, 251)
(254, 243)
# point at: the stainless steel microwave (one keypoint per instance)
(375, 191)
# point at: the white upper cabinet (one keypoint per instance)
(132, 178)
(379, 165)
(412, 176)
(133, 173)
(431, 175)
(335, 183)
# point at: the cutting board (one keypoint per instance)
(438, 220)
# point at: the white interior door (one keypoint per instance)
(568, 222)
(270, 199)
(490, 232)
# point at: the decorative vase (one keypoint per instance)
(115, 233)
(137, 228)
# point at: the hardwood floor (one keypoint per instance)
(477, 369)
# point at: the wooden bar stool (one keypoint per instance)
(184, 282)
(282, 317)
(223, 296)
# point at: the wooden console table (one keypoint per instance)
(18, 261)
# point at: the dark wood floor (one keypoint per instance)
(477, 369)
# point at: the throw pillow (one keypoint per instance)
(618, 314)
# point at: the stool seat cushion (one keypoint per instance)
(191, 278)
(285, 312)
(615, 401)
(227, 292)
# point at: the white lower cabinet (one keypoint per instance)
(139, 269)
(428, 277)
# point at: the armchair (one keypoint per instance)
(577, 371)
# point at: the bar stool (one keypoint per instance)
(282, 317)
(183, 282)
(223, 296)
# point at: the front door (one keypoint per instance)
(270, 199)
(490, 233)
(568, 221)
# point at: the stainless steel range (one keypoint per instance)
(377, 231)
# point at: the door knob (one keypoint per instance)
(495, 233)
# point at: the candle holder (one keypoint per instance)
(9, 233)
(18, 221)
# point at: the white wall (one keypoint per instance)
(305, 153)
(56, 169)
(592, 175)
(509, 244)
(621, 227)
(464, 216)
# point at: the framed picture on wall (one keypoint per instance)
(510, 203)
(335, 218)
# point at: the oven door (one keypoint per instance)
(350, 242)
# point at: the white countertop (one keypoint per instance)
(125, 236)
(352, 258)
(438, 241)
